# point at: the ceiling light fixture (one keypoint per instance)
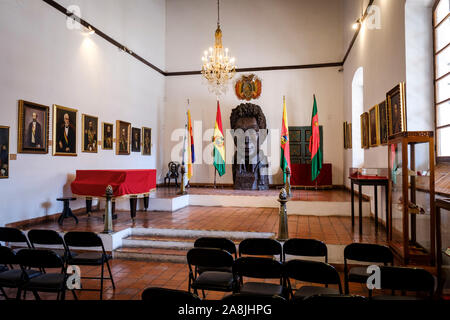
(218, 67)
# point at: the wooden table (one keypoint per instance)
(375, 181)
(445, 205)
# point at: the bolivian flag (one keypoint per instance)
(219, 146)
(190, 149)
(285, 160)
(314, 144)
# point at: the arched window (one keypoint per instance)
(357, 110)
(441, 29)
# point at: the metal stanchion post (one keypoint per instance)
(108, 210)
(283, 233)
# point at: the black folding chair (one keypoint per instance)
(313, 272)
(404, 279)
(217, 243)
(305, 248)
(49, 237)
(340, 299)
(162, 296)
(261, 268)
(45, 282)
(89, 240)
(252, 299)
(208, 258)
(12, 278)
(364, 252)
(260, 247)
(12, 236)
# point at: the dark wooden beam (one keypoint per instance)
(355, 36)
(103, 35)
(270, 68)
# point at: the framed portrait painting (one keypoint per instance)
(383, 122)
(396, 104)
(33, 128)
(146, 141)
(365, 130)
(135, 140)
(374, 134)
(123, 137)
(89, 137)
(64, 131)
(107, 135)
(4, 152)
(345, 135)
(349, 135)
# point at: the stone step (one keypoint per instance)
(151, 254)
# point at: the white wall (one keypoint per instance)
(44, 62)
(258, 33)
(389, 57)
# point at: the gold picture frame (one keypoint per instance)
(89, 135)
(364, 130)
(107, 136)
(4, 152)
(374, 127)
(33, 128)
(396, 104)
(64, 134)
(123, 137)
(146, 141)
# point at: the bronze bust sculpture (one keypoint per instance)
(250, 166)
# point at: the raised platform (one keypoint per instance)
(302, 202)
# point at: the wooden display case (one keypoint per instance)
(411, 197)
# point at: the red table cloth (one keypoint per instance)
(124, 182)
(301, 175)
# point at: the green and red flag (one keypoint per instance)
(219, 145)
(314, 144)
(285, 160)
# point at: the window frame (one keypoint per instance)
(435, 80)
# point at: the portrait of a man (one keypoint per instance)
(147, 141)
(90, 131)
(365, 130)
(373, 126)
(123, 137)
(136, 140)
(107, 136)
(4, 152)
(64, 131)
(33, 128)
(383, 124)
(396, 109)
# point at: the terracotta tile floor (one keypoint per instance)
(332, 229)
(132, 277)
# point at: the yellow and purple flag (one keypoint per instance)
(285, 160)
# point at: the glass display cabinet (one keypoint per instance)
(411, 196)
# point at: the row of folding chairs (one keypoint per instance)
(158, 296)
(226, 271)
(62, 247)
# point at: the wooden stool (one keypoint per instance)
(67, 212)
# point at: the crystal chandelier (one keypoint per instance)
(218, 67)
